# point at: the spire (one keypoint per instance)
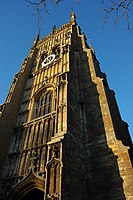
(54, 29)
(36, 40)
(73, 18)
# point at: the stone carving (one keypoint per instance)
(54, 196)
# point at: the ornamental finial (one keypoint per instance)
(73, 17)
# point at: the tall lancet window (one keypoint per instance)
(44, 103)
(56, 51)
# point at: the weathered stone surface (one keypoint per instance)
(67, 139)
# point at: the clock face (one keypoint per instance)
(48, 60)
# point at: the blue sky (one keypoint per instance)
(113, 45)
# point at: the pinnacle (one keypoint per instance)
(73, 17)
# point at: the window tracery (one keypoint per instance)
(42, 58)
(56, 51)
(44, 103)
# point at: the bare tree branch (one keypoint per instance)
(118, 8)
(40, 7)
(121, 8)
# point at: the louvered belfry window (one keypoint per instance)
(44, 104)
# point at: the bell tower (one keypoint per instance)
(62, 134)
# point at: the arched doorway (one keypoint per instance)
(34, 194)
(31, 187)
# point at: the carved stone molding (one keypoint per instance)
(30, 182)
(54, 196)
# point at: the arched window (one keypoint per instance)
(42, 58)
(56, 51)
(44, 55)
(44, 103)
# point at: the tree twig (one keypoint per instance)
(120, 8)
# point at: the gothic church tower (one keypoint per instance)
(61, 133)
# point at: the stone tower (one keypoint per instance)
(61, 133)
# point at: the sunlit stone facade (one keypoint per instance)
(61, 133)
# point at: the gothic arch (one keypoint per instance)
(56, 51)
(44, 89)
(53, 161)
(42, 57)
(31, 183)
(53, 178)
